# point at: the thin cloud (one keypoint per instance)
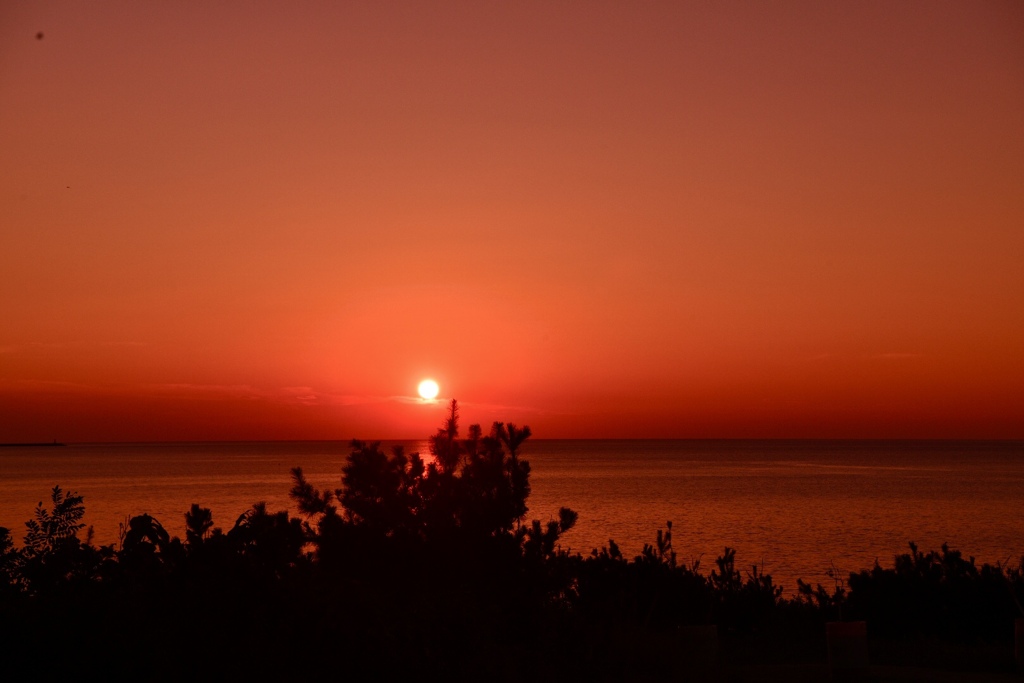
(354, 399)
(414, 400)
(303, 395)
(465, 405)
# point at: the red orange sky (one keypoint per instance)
(271, 220)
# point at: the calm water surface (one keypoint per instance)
(795, 507)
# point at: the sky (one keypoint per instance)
(263, 220)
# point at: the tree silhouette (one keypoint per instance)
(271, 542)
(311, 501)
(444, 445)
(144, 531)
(145, 546)
(51, 530)
(53, 556)
(381, 490)
(198, 522)
(512, 437)
(432, 568)
(539, 542)
(9, 558)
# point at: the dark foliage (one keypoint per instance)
(936, 594)
(430, 568)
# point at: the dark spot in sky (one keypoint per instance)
(39, 36)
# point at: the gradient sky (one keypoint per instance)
(268, 220)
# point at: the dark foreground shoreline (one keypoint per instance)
(433, 571)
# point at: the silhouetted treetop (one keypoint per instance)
(310, 500)
(198, 522)
(476, 487)
(50, 529)
(382, 490)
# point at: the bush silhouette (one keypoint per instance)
(429, 566)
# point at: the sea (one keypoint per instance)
(808, 509)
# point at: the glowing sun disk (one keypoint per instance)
(428, 389)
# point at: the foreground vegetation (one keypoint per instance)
(430, 570)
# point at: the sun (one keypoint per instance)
(428, 389)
